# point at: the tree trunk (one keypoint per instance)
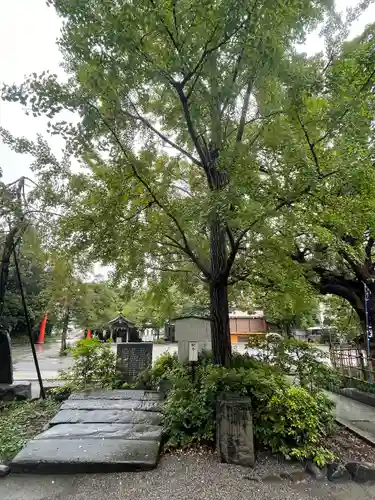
(4, 267)
(219, 309)
(64, 333)
(220, 335)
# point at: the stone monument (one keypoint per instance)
(9, 390)
(133, 358)
(234, 430)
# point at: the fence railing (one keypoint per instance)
(353, 363)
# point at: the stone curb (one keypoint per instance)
(4, 470)
(360, 472)
(362, 397)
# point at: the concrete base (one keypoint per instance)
(17, 390)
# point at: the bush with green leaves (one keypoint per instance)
(153, 377)
(294, 423)
(297, 358)
(190, 407)
(94, 366)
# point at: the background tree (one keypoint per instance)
(342, 318)
(35, 277)
(219, 83)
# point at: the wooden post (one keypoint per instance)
(234, 430)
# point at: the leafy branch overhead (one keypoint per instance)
(198, 127)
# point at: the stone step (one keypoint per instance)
(138, 395)
(111, 404)
(106, 417)
(142, 432)
(86, 455)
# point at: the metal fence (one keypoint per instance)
(353, 363)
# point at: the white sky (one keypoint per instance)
(28, 31)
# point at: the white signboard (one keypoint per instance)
(193, 351)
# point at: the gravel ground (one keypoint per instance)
(349, 447)
(183, 477)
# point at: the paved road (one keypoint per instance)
(49, 362)
(358, 417)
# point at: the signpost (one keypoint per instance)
(193, 357)
(369, 332)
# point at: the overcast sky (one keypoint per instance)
(28, 31)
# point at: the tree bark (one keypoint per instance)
(219, 308)
(64, 333)
(4, 267)
(220, 335)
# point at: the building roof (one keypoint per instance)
(120, 319)
(192, 316)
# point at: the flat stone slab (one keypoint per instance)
(111, 404)
(138, 395)
(17, 390)
(143, 432)
(86, 455)
(106, 417)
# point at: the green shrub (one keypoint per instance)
(94, 366)
(20, 421)
(297, 358)
(294, 424)
(160, 371)
(288, 420)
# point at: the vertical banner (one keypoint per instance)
(369, 331)
(42, 330)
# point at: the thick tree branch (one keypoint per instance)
(311, 145)
(190, 126)
(185, 247)
(245, 107)
(161, 135)
(137, 212)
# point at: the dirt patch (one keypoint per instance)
(349, 447)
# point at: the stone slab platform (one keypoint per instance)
(141, 432)
(106, 416)
(123, 394)
(111, 404)
(98, 431)
(68, 456)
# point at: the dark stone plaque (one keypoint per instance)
(6, 368)
(133, 358)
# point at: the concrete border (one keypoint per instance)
(363, 397)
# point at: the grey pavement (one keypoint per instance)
(192, 477)
(50, 362)
(48, 357)
(358, 417)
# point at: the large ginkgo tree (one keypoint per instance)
(198, 125)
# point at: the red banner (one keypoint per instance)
(42, 330)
